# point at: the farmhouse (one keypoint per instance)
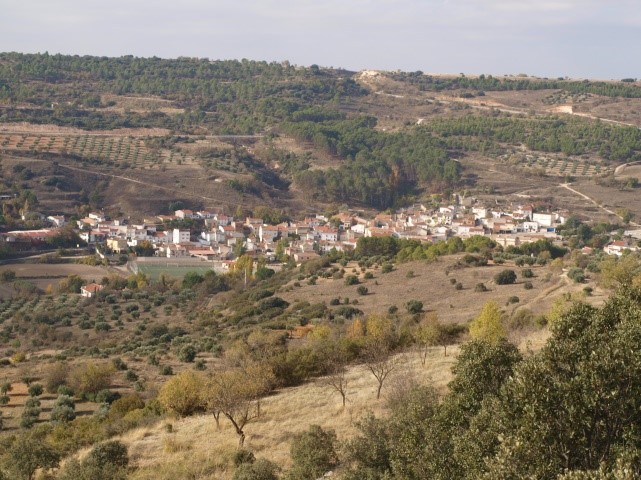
(90, 290)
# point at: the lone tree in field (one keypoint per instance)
(506, 277)
(429, 334)
(488, 325)
(336, 368)
(380, 340)
(236, 394)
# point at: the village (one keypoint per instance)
(207, 238)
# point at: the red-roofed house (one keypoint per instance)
(90, 290)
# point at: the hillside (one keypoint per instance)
(215, 137)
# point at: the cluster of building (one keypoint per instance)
(221, 237)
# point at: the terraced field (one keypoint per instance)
(117, 150)
(559, 167)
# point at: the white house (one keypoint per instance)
(90, 290)
(180, 236)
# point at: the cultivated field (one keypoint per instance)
(43, 275)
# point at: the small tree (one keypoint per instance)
(29, 453)
(428, 334)
(379, 342)
(488, 325)
(236, 394)
(506, 277)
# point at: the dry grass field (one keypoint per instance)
(431, 283)
(196, 449)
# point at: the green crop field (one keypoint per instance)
(154, 271)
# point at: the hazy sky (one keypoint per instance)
(578, 38)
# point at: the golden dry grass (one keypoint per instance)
(196, 449)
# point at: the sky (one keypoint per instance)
(596, 39)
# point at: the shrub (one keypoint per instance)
(91, 378)
(335, 301)
(387, 268)
(368, 275)
(35, 390)
(362, 290)
(410, 274)
(261, 469)
(131, 376)
(414, 306)
(56, 376)
(513, 299)
(63, 410)
(458, 286)
(64, 390)
(106, 396)
(183, 394)
(110, 453)
(506, 277)
(126, 404)
(4, 399)
(351, 280)
(119, 364)
(166, 370)
(242, 455)
(480, 287)
(453, 281)
(528, 285)
(577, 275)
(527, 273)
(187, 353)
(392, 309)
(313, 453)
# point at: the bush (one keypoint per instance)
(351, 280)
(35, 390)
(414, 306)
(368, 275)
(4, 399)
(91, 378)
(513, 299)
(392, 309)
(56, 376)
(577, 275)
(480, 287)
(506, 277)
(166, 370)
(458, 286)
(64, 390)
(183, 394)
(7, 276)
(187, 353)
(242, 455)
(63, 410)
(110, 453)
(528, 285)
(119, 364)
(362, 290)
(261, 469)
(313, 453)
(527, 273)
(106, 396)
(126, 404)
(131, 376)
(387, 268)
